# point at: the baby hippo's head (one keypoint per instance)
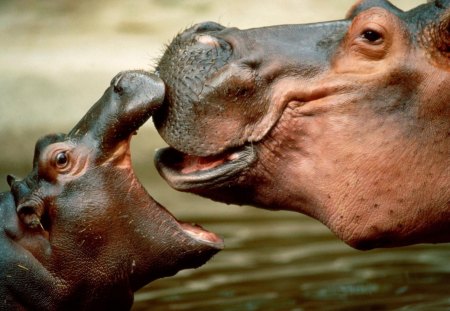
(85, 217)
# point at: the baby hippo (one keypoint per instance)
(80, 232)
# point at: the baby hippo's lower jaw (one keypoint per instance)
(203, 236)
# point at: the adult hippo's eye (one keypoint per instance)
(372, 36)
(61, 160)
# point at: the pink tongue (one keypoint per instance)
(198, 233)
(193, 164)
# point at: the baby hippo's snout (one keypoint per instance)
(130, 100)
(139, 87)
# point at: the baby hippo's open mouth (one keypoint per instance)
(81, 216)
(188, 172)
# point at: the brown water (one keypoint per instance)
(56, 59)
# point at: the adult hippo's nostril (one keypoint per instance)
(200, 28)
(207, 26)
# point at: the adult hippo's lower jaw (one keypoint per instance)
(186, 172)
(345, 121)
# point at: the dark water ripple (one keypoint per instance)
(294, 263)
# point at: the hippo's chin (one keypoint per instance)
(203, 236)
(187, 172)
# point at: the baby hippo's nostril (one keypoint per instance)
(139, 86)
(207, 26)
(115, 83)
(11, 179)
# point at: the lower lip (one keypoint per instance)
(198, 233)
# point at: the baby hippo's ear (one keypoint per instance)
(128, 103)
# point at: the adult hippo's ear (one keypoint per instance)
(436, 36)
(363, 5)
(128, 103)
(441, 3)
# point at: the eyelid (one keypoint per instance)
(376, 27)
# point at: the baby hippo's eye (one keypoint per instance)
(61, 159)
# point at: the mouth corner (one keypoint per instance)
(186, 172)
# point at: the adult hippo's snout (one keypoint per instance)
(346, 121)
(199, 56)
(215, 73)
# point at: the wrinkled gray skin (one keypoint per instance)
(80, 232)
(346, 121)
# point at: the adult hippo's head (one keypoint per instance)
(80, 232)
(346, 121)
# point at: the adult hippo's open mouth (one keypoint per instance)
(346, 121)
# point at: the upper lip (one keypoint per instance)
(205, 171)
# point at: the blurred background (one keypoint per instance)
(57, 58)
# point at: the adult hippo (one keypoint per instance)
(346, 121)
(80, 232)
